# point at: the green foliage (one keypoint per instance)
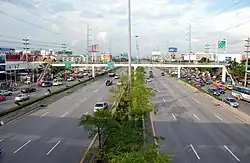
(126, 136)
(236, 69)
(144, 155)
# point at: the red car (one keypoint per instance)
(40, 83)
(2, 98)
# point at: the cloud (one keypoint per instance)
(158, 23)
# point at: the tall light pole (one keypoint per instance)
(246, 65)
(189, 42)
(138, 50)
(26, 43)
(129, 57)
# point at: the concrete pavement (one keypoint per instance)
(197, 129)
(52, 134)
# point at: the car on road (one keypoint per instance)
(214, 91)
(229, 86)
(22, 97)
(28, 90)
(70, 79)
(231, 101)
(5, 92)
(100, 105)
(117, 76)
(162, 74)
(46, 84)
(2, 98)
(151, 76)
(111, 74)
(108, 82)
(149, 80)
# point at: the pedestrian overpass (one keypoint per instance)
(161, 65)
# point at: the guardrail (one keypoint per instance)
(32, 106)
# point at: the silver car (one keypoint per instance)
(232, 102)
(100, 105)
(22, 97)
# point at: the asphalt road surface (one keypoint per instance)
(197, 130)
(52, 134)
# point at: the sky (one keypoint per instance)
(159, 24)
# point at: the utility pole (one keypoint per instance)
(247, 52)
(207, 48)
(189, 41)
(26, 48)
(88, 42)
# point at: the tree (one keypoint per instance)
(236, 69)
(125, 137)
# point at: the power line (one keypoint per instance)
(26, 22)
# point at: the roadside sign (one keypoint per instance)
(67, 64)
(111, 64)
(222, 44)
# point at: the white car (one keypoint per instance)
(5, 93)
(117, 77)
(70, 79)
(149, 79)
(22, 97)
(119, 83)
(100, 105)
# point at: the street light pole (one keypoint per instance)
(129, 57)
(246, 64)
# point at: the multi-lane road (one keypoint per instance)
(52, 134)
(197, 129)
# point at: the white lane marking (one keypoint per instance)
(96, 90)
(198, 157)
(218, 117)
(173, 116)
(196, 100)
(22, 146)
(164, 100)
(53, 147)
(44, 114)
(83, 100)
(1, 140)
(231, 153)
(64, 114)
(196, 116)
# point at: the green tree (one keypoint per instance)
(236, 69)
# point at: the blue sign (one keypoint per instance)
(7, 50)
(228, 58)
(172, 49)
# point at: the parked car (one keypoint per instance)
(28, 90)
(5, 92)
(231, 101)
(2, 98)
(214, 91)
(221, 90)
(100, 105)
(22, 97)
(108, 82)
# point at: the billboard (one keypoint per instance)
(106, 56)
(172, 49)
(156, 53)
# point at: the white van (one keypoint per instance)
(57, 82)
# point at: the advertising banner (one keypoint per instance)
(106, 56)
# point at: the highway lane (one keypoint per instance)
(52, 134)
(40, 91)
(197, 130)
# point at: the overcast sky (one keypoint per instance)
(158, 23)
